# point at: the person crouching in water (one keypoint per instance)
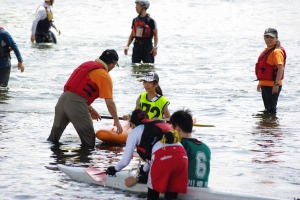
(166, 162)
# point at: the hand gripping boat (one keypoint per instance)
(96, 176)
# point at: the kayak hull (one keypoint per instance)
(117, 182)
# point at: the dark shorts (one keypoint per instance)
(45, 38)
(141, 51)
(4, 76)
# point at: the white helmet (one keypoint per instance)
(52, 1)
(144, 3)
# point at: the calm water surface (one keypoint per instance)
(206, 56)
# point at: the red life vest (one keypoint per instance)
(153, 132)
(81, 84)
(141, 28)
(263, 70)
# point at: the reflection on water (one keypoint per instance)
(268, 137)
(102, 156)
(139, 70)
(42, 45)
(63, 154)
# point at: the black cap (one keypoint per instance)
(271, 32)
(110, 56)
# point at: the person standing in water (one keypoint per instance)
(269, 70)
(144, 28)
(40, 31)
(7, 42)
(89, 81)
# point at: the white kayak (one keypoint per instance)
(117, 182)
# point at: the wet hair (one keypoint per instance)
(183, 119)
(137, 116)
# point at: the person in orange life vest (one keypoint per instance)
(144, 28)
(6, 45)
(40, 31)
(152, 101)
(88, 82)
(167, 163)
(269, 70)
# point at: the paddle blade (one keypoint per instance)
(203, 125)
(96, 174)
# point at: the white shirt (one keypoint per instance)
(40, 15)
(133, 139)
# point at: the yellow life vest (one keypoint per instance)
(153, 108)
(49, 14)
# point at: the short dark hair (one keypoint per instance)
(137, 116)
(183, 119)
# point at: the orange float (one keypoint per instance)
(110, 135)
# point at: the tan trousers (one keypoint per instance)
(73, 108)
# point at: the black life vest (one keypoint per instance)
(142, 28)
(4, 50)
(43, 26)
(155, 131)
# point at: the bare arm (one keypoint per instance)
(128, 43)
(166, 113)
(112, 109)
(277, 79)
(154, 49)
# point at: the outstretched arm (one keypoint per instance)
(112, 109)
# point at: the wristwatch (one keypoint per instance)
(155, 48)
(276, 83)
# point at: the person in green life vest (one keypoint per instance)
(199, 154)
(152, 101)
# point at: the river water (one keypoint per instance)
(206, 56)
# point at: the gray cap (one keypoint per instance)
(151, 76)
(271, 32)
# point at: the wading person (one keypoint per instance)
(40, 31)
(88, 82)
(7, 42)
(269, 70)
(144, 28)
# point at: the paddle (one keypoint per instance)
(99, 175)
(96, 174)
(199, 125)
(109, 117)
(203, 125)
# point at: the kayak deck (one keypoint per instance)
(117, 182)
